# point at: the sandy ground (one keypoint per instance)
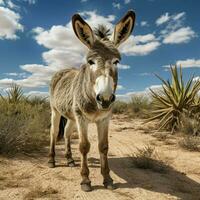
(30, 178)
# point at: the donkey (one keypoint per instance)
(87, 94)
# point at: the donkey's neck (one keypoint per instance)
(84, 97)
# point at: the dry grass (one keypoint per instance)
(23, 128)
(23, 124)
(190, 124)
(120, 107)
(39, 192)
(191, 143)
(138, 107)
(147, 158)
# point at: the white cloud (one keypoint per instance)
(9, 23)
(188, 63)
(182, 35)
(31, 1)
(127, 1)
(197, 78)
(144, 38)
(40, 77)
(84, 1)
(94, 19)
(37, 94)
(116, 5)
(175, 32)
(140, 45)
(22, 75)
(163, 19)
(178, 16)
(145, 74)
(12, 74)
(122, 66)
(11, 5)
(154, 87)
(146, 92)
(120, 87)
(170, 18)
(2, 2)
(144, 23)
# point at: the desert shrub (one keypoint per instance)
(191, 143)
(37, 101)
(147, 158)
(139, 106)
(173, 100)
(23, 127)
(190, 124)
(120, 107)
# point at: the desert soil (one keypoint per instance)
(28, 177)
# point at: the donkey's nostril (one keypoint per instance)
(98, 97)
(112, 98)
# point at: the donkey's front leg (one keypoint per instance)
(84, 147)
(102, 127)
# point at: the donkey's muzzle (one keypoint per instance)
(105, 103)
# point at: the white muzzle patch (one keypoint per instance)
(104, 85)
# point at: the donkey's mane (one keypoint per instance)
(102, 32)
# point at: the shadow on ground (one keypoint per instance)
(171, 182)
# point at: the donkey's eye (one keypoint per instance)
(116, 62)
(91, 62)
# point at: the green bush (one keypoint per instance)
(139, 106)
(120, 107)
(23, 127)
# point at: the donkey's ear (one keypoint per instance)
(124, 28)
(83, 30)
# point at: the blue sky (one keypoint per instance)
(36, 39)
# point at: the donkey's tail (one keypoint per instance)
(63, 122)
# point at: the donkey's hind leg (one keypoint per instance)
(55, 121)
(68, 153)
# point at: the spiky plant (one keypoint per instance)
(14, 95)
(174, 98)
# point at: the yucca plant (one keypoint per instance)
(14, 95)
(174, 98)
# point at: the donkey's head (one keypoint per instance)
(103, 55)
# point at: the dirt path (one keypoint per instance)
(30, 178)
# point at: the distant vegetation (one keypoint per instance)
(24, 122)
(138, 107)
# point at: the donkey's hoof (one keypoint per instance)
(51, 164)
(110, 186)
(86, 187)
